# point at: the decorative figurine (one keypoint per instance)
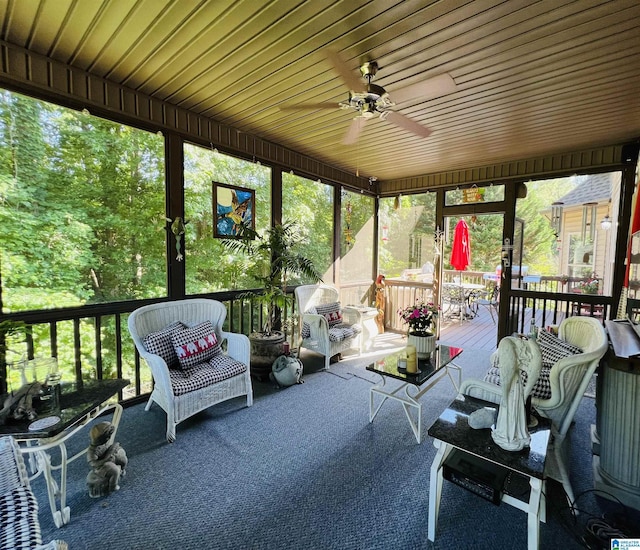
(108, 462)
(515, 354)
(178, 229)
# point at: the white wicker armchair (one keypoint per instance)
(321, 338)
(180, 406)
(19, 525)
(569, 378)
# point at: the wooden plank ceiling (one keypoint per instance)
(531, 77)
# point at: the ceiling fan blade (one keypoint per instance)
(427, 89)
(408, 124)
(353, 133)
(309, 106)
(348, 76)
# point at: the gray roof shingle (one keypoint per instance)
(595, 188)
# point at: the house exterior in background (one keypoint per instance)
(585, 243)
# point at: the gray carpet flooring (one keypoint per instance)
(304, 468)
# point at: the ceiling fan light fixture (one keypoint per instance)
(370, 100)
(368, 109)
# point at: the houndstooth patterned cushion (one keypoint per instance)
(19, 526)
(331, 312)
(553, 348)
(196, 345)
(341, 332)
(541, 389)
(159, 343)
(219, 368)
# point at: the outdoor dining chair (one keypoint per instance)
(454, 301)
(490, 302)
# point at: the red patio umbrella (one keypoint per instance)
(635, 226)
(461, 249)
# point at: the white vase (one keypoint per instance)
(424, 345)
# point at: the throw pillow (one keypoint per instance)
(553, 348)
(331, 312)
(195, 345)
(159, 343)
(541, 389)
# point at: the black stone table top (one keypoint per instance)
(453, 428)
(441, 357)
(72, 404)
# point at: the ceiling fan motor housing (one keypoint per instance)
(369, 69)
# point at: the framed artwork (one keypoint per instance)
(233, 207)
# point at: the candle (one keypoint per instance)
(412, 359)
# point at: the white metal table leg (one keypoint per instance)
(58, 491)
(435, 486)
(533, 513)
(416, 425)
(459, 370)
(407, 402)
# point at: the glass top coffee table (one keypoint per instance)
(430, 371)
(75, 406)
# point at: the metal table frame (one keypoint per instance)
(37, 446)
(41, 463)
(408, 400)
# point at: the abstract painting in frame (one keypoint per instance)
(233, 207)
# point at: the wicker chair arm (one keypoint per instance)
(238, 346)
(318, 325)
(160, 372)
(474, 387)
(567, 377)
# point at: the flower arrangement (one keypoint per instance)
(590, 286)
(420, 317)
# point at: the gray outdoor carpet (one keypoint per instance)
(302, 469)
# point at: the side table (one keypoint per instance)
(369, 327)
(78, 404)
(451, 432)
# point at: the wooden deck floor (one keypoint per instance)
(481, 332)
(477, 333)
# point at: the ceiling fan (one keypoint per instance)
(370, 100)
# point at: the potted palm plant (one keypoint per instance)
(276, 257)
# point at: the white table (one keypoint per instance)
(451, 431)
(77, 407)
(432, 370)
(369, 326)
